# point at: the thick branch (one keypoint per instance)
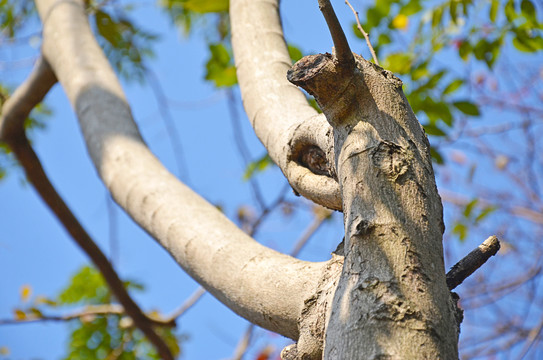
(279, 113)
(472, 262)
(13, 117)
(229, 264)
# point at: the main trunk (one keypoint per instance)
(392, 301)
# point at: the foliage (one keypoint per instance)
(126, 45)
(14, 14)
(95, 336)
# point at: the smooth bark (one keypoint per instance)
(228, 263)
(279, 112)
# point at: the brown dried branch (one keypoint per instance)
(366, 36)
(472, 262)
(15, 111)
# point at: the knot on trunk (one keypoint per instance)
(391, 159)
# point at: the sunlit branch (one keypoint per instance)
(341, 45)
(364, 33)
(472, 262)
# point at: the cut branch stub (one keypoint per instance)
(326, 80)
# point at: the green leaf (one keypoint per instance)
(527, 9)
(257, 166)
(432, 129)
(383, 39)
(295, 53)
(494, 10)
(469, 207)
(86, 286)
(420, 71)
(486, 211)
(510, 12)
(436, 156)
(411, 8)
(437, 15)
(206, 6)
(398, 63)
(461, 230)
(453, 10)
(467, 108)
(527, 43)
(220, 68)
(453, 86)
(464, 49)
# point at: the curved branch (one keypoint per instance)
(279, 113)
(14, 113)
(229, 264)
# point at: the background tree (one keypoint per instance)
(445, 96)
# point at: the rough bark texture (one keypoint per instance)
(392, 300)
(229, 264)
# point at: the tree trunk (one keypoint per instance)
(392, 301)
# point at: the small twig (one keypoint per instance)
(87, 312)
(366, 36)
(343, 51)
(242, 146)
(243, 343)
(472, 262)
(310, 231)
(15, 111)
(170, 125)
(190, 302)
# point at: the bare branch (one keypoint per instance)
(85, 314)
(13, 117)
(343, 52)
(243, 343)
(207, 245)
(366, 36)
(472, 262)
(190, 302)
(279, 112)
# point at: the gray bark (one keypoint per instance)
(392, 301)
(229, 264)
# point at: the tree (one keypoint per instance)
(370, 159)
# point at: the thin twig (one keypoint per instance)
(243, 343)
(472, 262)
(343, 51)
(310, 231)
(15, 111)
(242, 146)
(366, 36)
(190, 302)
(169, 123)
